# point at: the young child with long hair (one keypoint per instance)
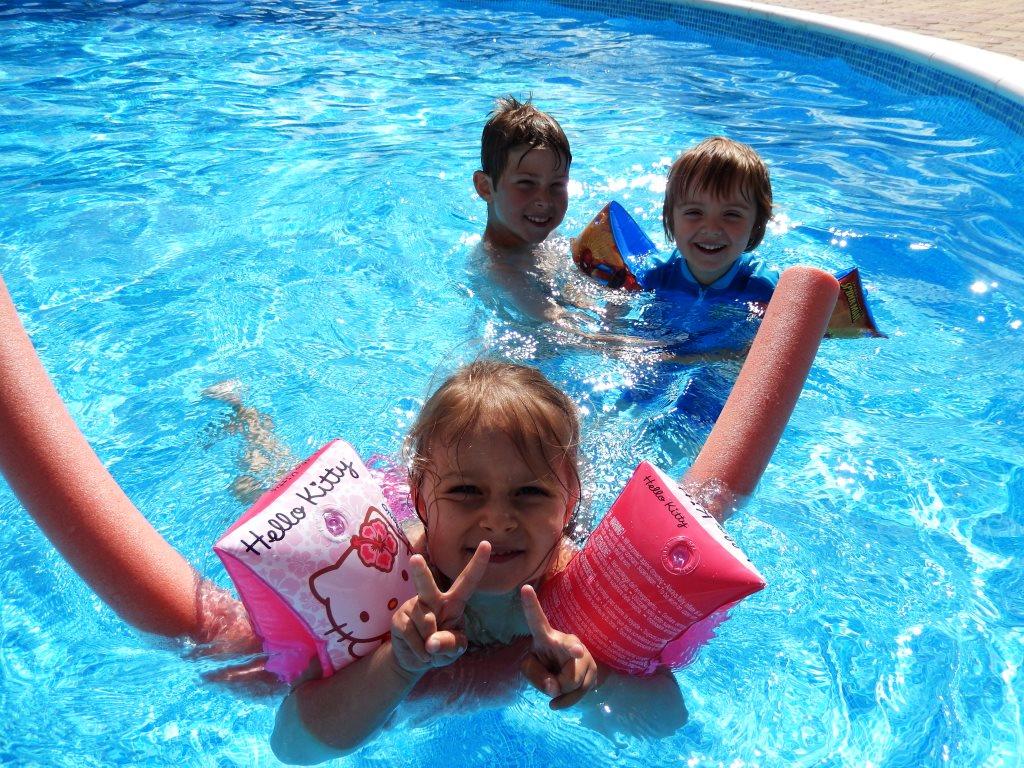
(494, 481)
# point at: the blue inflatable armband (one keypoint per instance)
(609, 248)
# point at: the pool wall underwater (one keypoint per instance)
(924, 65)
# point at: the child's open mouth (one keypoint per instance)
(503, 556)
(499, 555)
(709, 248)
(537, 221)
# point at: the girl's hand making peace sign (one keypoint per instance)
(558, 664)
(426, 631)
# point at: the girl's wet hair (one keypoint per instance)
(720, 166)
(539, 419)
(515, 124)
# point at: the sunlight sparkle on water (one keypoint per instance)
(780, 224)
(652, 181)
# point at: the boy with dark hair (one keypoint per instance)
(524, 176)
(524, 179)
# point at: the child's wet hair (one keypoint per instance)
(540, 420)
(515, 124)
(720, 165)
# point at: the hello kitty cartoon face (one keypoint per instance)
(366, 585)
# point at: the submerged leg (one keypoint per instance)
(89, 519)
(264, 459)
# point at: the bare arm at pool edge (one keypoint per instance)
(82, 510)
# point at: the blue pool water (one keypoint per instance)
(280, 192)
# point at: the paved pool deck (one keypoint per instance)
(992, 26)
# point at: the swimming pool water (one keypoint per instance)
(280, 192)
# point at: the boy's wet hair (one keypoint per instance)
(539, 418)
(720, 166)
(514, 124)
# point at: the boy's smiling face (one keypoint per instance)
(711, 232)
(529, 200)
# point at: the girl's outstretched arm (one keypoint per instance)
(85, 514)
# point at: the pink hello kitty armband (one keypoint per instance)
(320, 563)
(653, 580)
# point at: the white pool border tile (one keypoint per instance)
(1004, 74)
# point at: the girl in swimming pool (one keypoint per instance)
(513, 503)
(494, 481)
(521, 491)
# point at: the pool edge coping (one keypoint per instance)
(974, 64)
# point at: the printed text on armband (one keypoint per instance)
(856, 311)
(671, 506)
(281, 522)
(627, 565)
(624, 553)
(279, 525)
(615, 618)
(327, 482)
(605, 646)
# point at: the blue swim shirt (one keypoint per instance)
(748, 279)
(692, 318)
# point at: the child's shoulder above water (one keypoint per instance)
(523, 177)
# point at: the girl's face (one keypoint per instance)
(712, 232)
(485, 491)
